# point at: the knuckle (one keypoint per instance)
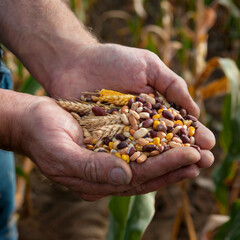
(90, 171)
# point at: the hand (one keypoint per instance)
(120, 68)
(54, 141)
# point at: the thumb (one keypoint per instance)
(100, 167)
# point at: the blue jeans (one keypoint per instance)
(7, 194)
(8, 229)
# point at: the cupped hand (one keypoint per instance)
(54, 141)
(116, 67)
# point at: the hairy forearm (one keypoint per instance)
(41, 33)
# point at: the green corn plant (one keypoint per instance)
(130, 216)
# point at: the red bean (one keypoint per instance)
(148, 123)
(130, 102)
(99, 111)
(183, 131)
(157, 105)
(183, 112)
(132, 151)
(185, 138)
(167, 114)
(140, 99)
(153, 133)
(195, 125)
(149, 148)
(190, 117)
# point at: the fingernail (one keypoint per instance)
(118, 176)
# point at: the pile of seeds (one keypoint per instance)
(132, 128)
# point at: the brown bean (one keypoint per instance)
(122, 145)
(167, 114)
(149, 148)
(161, 127)
(147, 123)
(106, 140)
(140, 99)
(132, 150)
(130, 102)
(153, 133)
(190, 117)
(99, 111)
(120, 137)
(183, 112)
(185, 138)
(157, 106)
(182, 131)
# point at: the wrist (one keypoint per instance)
(15, 114)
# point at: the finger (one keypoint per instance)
(163, 163)
(95, 167)
(204, 137)
(173, 88)
(190, 171)
(206, 160)
(86, 187)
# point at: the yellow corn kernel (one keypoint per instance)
(126, 129)
(169, 136)
(156, 140)
(191, 131)
(160, 111)
(138, 147)
(151, 143)
(157, 116)
(89, 146)
(155, 123)
(186, 144)
(110, 145)
(114, 97)
(178, 122)
(94, 141)
(125, 157)
(117, 154)
(131, 138)
(188, 123)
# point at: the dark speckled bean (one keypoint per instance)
(120, 137)
(122, 145)
(149, 148)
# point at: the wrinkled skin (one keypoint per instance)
(54, 140)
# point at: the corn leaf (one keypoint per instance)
(231, 229)
(130, 216)
(231, 131)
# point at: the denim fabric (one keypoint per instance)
(8, 230)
